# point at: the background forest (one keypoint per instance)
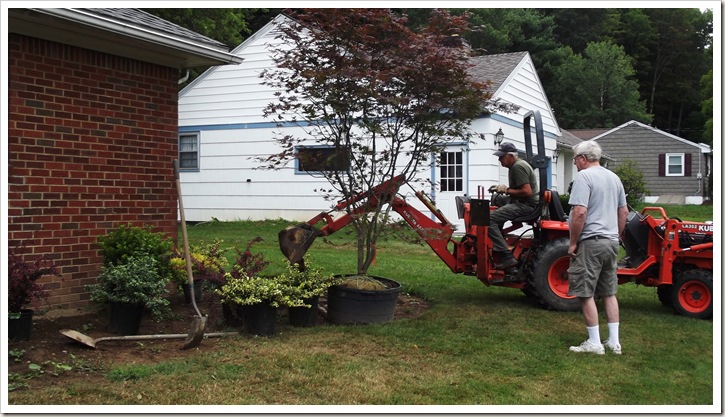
(600, 67)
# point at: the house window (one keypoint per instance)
(675, 166)
(189, 151)
(451, 171)
(322, 159)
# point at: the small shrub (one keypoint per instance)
(247, 263)
(207, 264)
(136, 280)
(127, 241)
(23, 287)
(309, 282)
(632, 180)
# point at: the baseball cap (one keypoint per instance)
(505, 148)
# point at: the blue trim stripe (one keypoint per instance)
(239, 126)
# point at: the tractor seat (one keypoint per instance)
(549, 207)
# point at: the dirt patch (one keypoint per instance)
(49, 349)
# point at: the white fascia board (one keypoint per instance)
(109, 25)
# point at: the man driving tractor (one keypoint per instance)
(517, 199)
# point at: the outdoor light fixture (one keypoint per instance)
(498, 137)
(555, 157)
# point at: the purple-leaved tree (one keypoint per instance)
(382, 96)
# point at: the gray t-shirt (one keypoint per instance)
(601, 192)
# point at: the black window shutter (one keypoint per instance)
(688, 164)
(662, 165)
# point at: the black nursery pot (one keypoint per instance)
(353, 306)
(125, 318)
(232, 315)
(304, 316)
(19, 329)
(259, 319)
(198, 285)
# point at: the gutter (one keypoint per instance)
(135, 32)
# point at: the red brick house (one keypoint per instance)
(92, 131)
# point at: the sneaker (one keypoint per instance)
(588, 347)
(616, 349)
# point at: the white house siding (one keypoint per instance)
(231, 97)
(225, 106)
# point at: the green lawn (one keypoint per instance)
(476, 346)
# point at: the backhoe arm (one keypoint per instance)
(294, 241)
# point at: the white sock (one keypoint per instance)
(594, 335)
(613, 333)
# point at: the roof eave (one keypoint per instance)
(72, 26)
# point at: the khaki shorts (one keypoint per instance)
(594, 269)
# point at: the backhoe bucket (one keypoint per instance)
(294, 241)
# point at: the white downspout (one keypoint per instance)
(185, 77)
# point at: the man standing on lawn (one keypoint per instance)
(596, 222)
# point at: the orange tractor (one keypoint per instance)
(673, 255)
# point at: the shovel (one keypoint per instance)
(91, 342)
(196, 333)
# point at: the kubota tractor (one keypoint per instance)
(672, 255)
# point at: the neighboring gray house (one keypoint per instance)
(675, 169)
(222, 130)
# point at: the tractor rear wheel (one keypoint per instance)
(550, 278)
(692, 294)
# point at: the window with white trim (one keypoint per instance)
(189, 151)
(451, 171)
(675, 165)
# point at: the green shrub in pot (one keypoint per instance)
(137, 281)
(127, 241)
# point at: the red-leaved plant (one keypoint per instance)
(251, 264)
(23, 287)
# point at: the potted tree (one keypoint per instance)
(379, 98)
(24, 291)
(136, 269)
(128, 289)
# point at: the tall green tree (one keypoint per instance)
(576, 28)
(707, 107)
(229, 26)
(597, 88)
(671, 71)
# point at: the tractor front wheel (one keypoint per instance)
(550, 278)
(692, 294)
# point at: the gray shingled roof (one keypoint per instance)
(567, 138)
(140, 18)
(495, 68)
(586, 134)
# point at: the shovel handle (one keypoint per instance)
(160, 336)
(187, 254)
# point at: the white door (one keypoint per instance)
(451, 176)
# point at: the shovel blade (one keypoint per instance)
(196, 334)
(79, 337)
(294, 241)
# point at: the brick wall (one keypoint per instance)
(91, 141)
